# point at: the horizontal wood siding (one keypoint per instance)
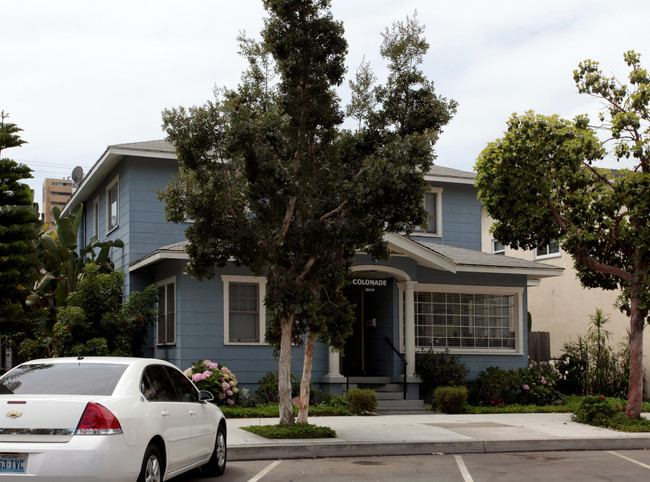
(461, 217)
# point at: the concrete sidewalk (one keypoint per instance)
(432, 433)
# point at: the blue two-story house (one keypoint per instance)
(437, 290)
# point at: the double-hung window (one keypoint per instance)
(96, 218)
(166, 333)
(112, 205)
(244, 312)
(433, 206)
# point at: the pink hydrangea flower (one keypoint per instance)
(198, 377)
(230, 401)
(229, 393)
(543, 381)
(526, 387)
(211, 366)
(225, 371)
(207, 373)
(188, 372)
(225, 386)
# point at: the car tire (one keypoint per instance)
(152, 468)
(217, 463)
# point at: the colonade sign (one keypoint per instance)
(370, 283)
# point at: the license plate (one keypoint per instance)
(13, 463)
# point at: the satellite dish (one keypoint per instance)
(77, 175)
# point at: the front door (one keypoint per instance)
(353, 360)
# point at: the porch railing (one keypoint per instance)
(402, 357)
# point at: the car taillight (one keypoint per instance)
(98, 420)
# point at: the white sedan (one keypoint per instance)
(106, 419)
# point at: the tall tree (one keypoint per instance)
(274, 183)
(18, 229)
(539, 182)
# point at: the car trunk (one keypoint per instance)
(33, 418)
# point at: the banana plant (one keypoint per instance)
(62, 261)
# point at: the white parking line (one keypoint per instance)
(645, 466)
(463, 469)
(265, 471)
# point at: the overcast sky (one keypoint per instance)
(78, 76)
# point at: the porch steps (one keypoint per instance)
(390, 396)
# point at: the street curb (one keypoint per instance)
(365, 449)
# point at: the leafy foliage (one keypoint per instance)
(534, 385)
(594, 410)
(96, 320)
(18, 229)
(274, 183)
(437, 368)
(539, 182)
(451, 399)
(216, 379)
(267, 388)
(303, 431)
(361, 401)
(589, 365)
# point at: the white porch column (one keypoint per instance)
(334, 364)
(409, 329)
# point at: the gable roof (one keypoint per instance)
(431, 255)
(109, 159)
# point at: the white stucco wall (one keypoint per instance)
(562, 306)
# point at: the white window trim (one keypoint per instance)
(499, 290)
(495, 251)
(549, 255)
(261, 281)
(109, 229)
(438, 215)
(165, 282)
(96, 218)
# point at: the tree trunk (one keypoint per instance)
(302, 402)
(635, 393)
(284, 372)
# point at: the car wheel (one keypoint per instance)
(152, 469)
(217, 463)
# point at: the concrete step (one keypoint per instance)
(369, 380)
(400, 404)
(390, 395)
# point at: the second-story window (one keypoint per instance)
(498, 248)
(433, 206)
(548, 249)
(112, 205)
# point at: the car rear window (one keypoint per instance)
(62, 379)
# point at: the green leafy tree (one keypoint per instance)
(273, 182)
(97, 321)
(539, 182)
(18, 229)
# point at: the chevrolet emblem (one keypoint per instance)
(14, 414)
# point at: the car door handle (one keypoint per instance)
(164, 413)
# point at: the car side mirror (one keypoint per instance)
(205, 396)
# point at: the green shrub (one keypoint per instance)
(595, 410)
(361, 400)
(299, 430)
(589, 365)
(538, 385)
(495, 386)
(439, 368)
(451, 399)
(267, 390)
(336, 401)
